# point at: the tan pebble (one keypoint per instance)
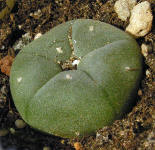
(37, 36)
(20, 123)
(3, 132)
(148, 73)
(123, 8)
(140, 92)
(78, 146)
(140, 20)
(121, 133)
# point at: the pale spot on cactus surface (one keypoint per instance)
(68, 76)
(19, 79)
(58, 62)
(91, 28)
(53, 42)
(131, 69)
(127, 68)
(75, 41)
(59, 50)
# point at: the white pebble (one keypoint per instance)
(37, 36)
(148, 73)
(3, 47)
(144, 50)
(123, 8)
(36, 13)
(19, 27)
(140, 20)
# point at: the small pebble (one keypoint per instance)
(36, 14)
(122, 133)
(19, 44)
(148, 73)
(12, 130)
(3, 47)
(3, 132)
(123, 8)
(140, 20)
(19, 27)
(27, 36)
(37, 36)
(20, 123)
(144, 50)
(46, 148)
(62, 141)
(77, 146)
(140, 93)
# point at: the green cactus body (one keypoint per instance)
(75, 103)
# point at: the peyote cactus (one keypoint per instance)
(56, 96)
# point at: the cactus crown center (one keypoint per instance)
(73, 61)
